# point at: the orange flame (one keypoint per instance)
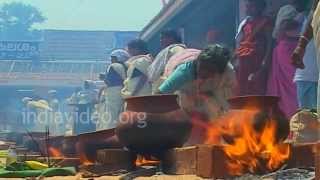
(248, 149)
(85, 161)
(144, 161)
(55, 152)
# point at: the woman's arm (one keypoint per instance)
(177, 79)
(307, 35)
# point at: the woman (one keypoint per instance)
(99, 115)
(254, 49)
(204, 84)
(137, 83)
(307, 79)
(114, 77)
(312, 31)
(171, 43)
(282, 72)
(87, 99)
(37, 121)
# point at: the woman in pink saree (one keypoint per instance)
(281, 82)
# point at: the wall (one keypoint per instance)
(273, 7)
(82, 45)
(197, 18)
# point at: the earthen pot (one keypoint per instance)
(153, 124)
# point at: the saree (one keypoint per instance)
(156, 69)
(114, 102)
(137, 83)
(181, 57)
(316, 35)
(251, 63)
(280, 81)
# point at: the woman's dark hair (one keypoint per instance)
(261, 4)
(140, 45)
(217, 56)
(172, 34)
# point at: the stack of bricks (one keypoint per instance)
(204, 161)
(210, 161)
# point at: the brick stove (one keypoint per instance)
(206, 161)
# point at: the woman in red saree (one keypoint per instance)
(254, 50)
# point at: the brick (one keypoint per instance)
(317, 159)
(180, 161)
(211, 162)
(220, 168)
(302, 155)
(112, 156)
(116, 159)
(205, 161)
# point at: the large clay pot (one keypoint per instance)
(153, 124)
(249, 102)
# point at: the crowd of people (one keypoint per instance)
(266, 68)
(272, 57)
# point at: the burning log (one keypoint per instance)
(146, 161)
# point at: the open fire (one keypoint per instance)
(250, 145)
(146, 161)
(55, 152)
(84, 160)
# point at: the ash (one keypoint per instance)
(292, 174)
